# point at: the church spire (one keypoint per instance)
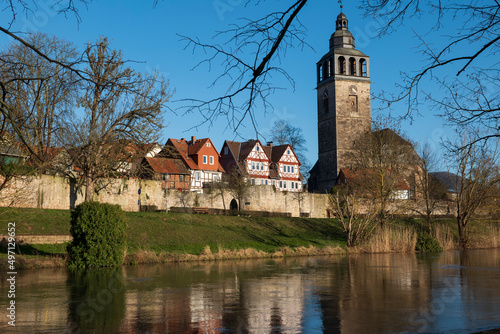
(342, 38)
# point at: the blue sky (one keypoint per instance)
(149, 35)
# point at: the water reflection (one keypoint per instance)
(449, 292)
(96, 300)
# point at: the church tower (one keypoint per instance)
(344, 112)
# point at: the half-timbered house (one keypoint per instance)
(172, 172)
(286, 163)
(201, 158)
(263, 164)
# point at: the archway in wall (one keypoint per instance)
(233, 206)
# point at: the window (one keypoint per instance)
(363, 68)
(281, 184)
(266, 182)
(205, 159)
(165, 176)
(293, 169)
(208, 145)
(253, 165)
(226, 150)
(261, 166)
(181, 178)
(214, 177)
(342, 65)
(288, 152)
(258, 148)
(197, 176)
(292, 185)
(284, 169)
(352, 66)
(211, 160)
(288, 169)
(284, 184)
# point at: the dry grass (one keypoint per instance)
(146, 256)
(389, 240)
(490, 238)
(36, 262)
(444, 235)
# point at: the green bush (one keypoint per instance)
(426, 243)
(99, 238)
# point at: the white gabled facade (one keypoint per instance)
(257, 165)
(264, 164)
(288, 170)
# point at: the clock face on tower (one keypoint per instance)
(353, 90)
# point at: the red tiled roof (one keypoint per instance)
(357, 177)
(182, 147)
(167, 165)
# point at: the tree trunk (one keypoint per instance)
(463, 234)
(89, 188)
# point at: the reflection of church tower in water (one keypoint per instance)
(343, 93)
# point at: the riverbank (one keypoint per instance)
(176, 237)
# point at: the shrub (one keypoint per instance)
(99, 238)
(426, 243)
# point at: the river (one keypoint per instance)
(451, 292)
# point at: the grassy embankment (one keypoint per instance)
(161, 237)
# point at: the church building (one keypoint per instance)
(344, 111)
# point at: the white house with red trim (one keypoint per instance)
(263, 164)
(286, 163)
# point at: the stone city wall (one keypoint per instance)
(53, 192)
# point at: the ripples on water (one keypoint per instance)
(453, 292)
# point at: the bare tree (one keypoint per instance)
(382, 163)
(219, 188)
(249, 58)
(237, 185)
(118, 107)
(477, 177)
(347, 209)
(283, 133)
(472, 96)
(38, 94)
(431, 191)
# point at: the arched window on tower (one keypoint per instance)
(320, 72)
(341, 65)
(352, 66)
(363, 67)
(326, 105)
(326, 69)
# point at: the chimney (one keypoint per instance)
(193, 139)
(270, 143)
